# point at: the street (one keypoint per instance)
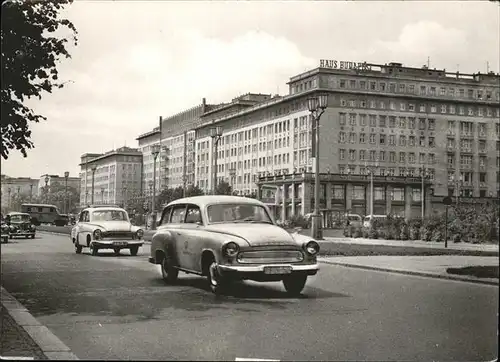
(109, 307)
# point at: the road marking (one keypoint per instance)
(255, 359)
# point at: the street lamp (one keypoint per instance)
(216, 134)
(102, 195)
(124, 197)
(9, 191)
(371, 171)
(46, 188)
(155, 150)
(458, 184)
(66, 175)
(424, 173)
(31, 192)
(316, 106)
(93, 168)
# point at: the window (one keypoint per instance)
(411, 141)
(372, 138)
(362, 155)
(431, 124)
(382, 139)
(402, 140)
(178, 213)
(362, 138)
(381, 121)
(379, 193)
(416, 195)
(352, 137)
(392, 140)
(342, 137)
(342, 154)
(193, 215)
(342, 118)
(362, 119)
(352, 119)
(358, 192)
(373, 120)
(392, 121)
(338, 192)
(392, 157)
(165, 216)
(398, 194)
(411, 107)
(402, 157)
(402, 122)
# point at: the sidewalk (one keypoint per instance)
(429, 266)
(14, 341)
(23, 336)
(415, 244)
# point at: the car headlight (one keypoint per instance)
(312, 247)
(230, 249)
(139, 233)
(97, 234)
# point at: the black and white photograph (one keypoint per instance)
(258, 180)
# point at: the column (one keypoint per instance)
(348, 196)
(259, 192)
(428, 201)
(306, 198)
(388, 199)
(408, 189)
(284, 196)
(368, 196)
(293, 199)
(329, 195)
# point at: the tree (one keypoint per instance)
(30, 53)
(55, 194)
(194, 190)
(223, 188)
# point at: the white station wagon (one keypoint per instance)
(106, 228)
(229, 238)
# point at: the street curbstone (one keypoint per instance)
(52, 347)
(413, 272)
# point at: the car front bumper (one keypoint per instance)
(22, 232)
(257, 272)
(122, 244)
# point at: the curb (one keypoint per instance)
(411, 272)
(52, 347)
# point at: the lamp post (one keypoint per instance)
(371, 171)
(9, 191)
(47, 188)
(216, 134)
(316, 106)
(125, 197)
(458, 184)
(31, 192)
(155, 150)
(102, 195)
(66, 175)
(93, 168)
(424, 173)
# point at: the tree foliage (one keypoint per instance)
(55, 194)
(223, 188)
(30, 54)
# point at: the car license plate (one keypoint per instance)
(277, 270)
(119, 243)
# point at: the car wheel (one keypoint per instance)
(11, 236)
(93, 249)
(33, 236)
(216, 282)
(134, 250)
(168, 272)
(295, 284)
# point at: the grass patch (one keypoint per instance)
(478, 271)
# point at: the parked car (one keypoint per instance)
(4, 230)
(229, 238)
(354, 220)
(106, 228)
(20, 224)
(370, 218)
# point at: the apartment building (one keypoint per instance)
(111, 177)
(397, 121)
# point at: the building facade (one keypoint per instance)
(17, 186)
(397, 121)
(47, 180)
(110, 178)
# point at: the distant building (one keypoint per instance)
(11, 186)
(115, 174)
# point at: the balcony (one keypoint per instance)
(482, 151)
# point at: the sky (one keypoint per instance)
(137, 60)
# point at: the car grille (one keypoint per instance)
(270, 256)
(117, 234)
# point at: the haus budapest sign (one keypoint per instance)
(341, 64)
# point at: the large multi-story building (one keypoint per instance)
(392, 119)
(110, 178)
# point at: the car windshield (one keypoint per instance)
(237, 213)
(109, 215)
(20, 218)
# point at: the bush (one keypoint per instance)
(366, 232)
(297, 221)
(414, 226)
(357, 232)
(373, 233)
(437, 235)
(405, 232)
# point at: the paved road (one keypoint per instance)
(109, 307)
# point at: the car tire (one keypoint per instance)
(168, 272)
(294, 284)
(33, 236)
(11, 236)
(116, 251)
(93, 249)
(134, 250)
(216, 282)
